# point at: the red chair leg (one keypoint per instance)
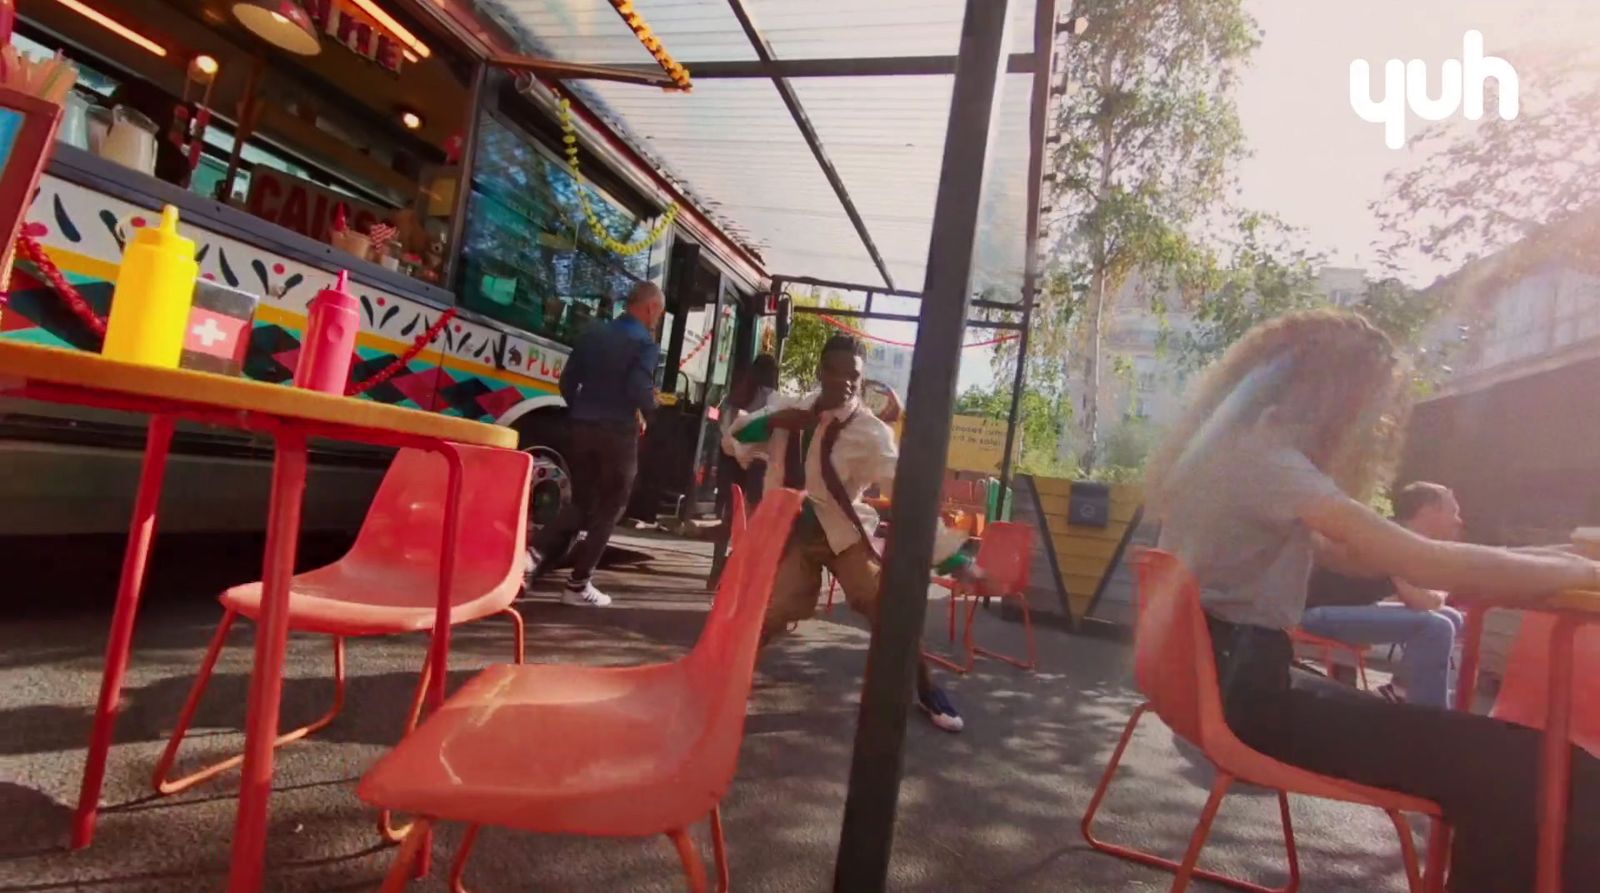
(1408, 851)
(386, 827)
(1144, 858)
(1361, 671)
(950, 609)
(690, 855)
(400, 874)
(833, 584)
(517, 626)
(1027, 630)
(458, 869)
(949, 661)
(1087, 825)
(719, 848)
(1291, 852)
(1186, 870)
(164, 785)
(1438, 856)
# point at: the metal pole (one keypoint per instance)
(1044, 35)
(243, 128)
(691, 487)
(469, 159)
(869, 812)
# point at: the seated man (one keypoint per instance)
(832, 447)
(1356, 609)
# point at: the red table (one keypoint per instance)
(1572, 610)
(290, 416)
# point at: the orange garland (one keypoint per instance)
(641, 30)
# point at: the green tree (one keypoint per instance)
(1473, 190)
(1270, 272)
(1148, 134)
(802, 351)
(1041, 417)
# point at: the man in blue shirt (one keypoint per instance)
(609, 385)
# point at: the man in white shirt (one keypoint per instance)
(835, 449)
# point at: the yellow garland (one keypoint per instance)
(596, 226)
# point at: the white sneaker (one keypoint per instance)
(587, 597)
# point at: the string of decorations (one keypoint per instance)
(31, 251)
(404, 360)
(861, 333)
(641, 30)
(569, 137)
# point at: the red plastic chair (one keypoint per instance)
(1328, 646)
(388, 582)
(1523, 697)
(1175, 670)
(1005, 556)
(600, 751)
(737, 519)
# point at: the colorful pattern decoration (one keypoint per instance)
(473, 370)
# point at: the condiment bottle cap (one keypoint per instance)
(165, 237)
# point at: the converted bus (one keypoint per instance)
(402, 123)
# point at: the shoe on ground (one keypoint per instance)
(587, 597)
(941, 712)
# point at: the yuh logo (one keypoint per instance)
(1405, 85)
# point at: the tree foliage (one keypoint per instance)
(802, 352)
(1148, 137)
(1270, 272)
(1475, 189)
(1040, 420)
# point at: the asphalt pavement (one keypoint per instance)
(994, 808)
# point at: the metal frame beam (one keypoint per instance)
(997, 324)
(650, 76)
(870, 66)
(872, 291)
(867, 837)
(1044, 36)
(798, 113)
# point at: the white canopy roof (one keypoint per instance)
(742, 155)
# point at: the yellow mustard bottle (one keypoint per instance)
(150, 306)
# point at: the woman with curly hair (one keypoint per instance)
(1267, 472)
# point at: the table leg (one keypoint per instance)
(266, 677)
(1555, 764)
(141, 531)
(440, 658)
(1471, 645)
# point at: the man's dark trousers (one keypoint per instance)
(603, 459)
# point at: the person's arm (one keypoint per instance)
(1567, 549)
(1335, 557)
(1416, 598)
(1453, 567)
(758, 427)
(948, 557)
(572, 373)
(642, 380)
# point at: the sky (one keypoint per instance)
(1314, 162)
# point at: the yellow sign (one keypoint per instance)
(976, 444)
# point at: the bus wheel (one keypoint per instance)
(551, 489)
(542, 434)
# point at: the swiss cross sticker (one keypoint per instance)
(213, 333)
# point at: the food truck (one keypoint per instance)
(301, 139)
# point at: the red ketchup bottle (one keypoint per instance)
(330, 340)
